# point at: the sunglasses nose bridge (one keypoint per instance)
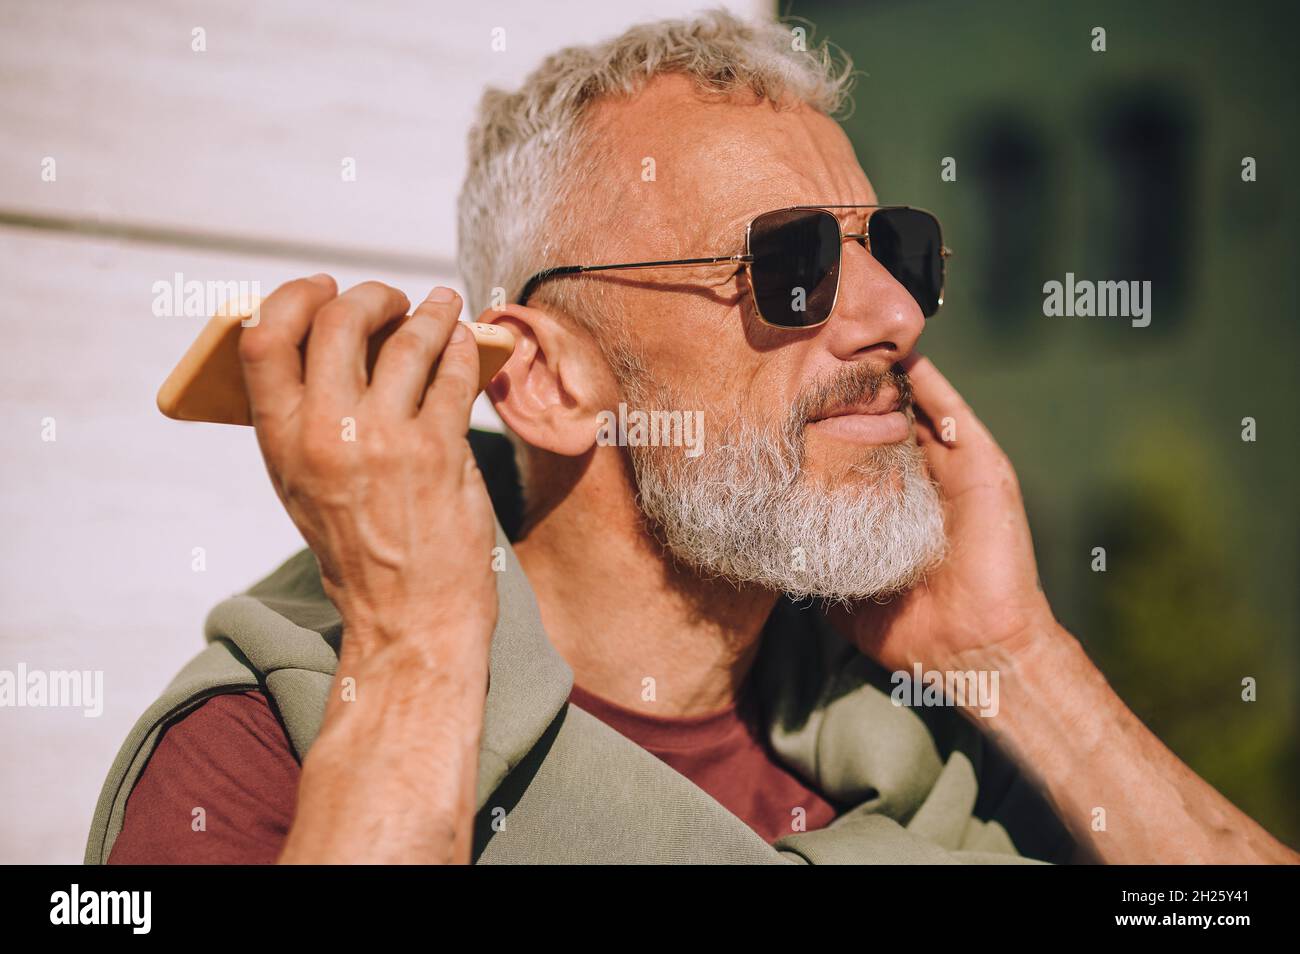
(862, 237)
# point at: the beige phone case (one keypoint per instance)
(207, 384)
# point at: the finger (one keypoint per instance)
(924, 428)
(949, 416)
(270, 354)
(401, 374)
(961, 453)
(455, 386)
(336, 347)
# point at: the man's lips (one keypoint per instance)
(878, 421)
(885, 402)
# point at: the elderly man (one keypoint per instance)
(817, 635)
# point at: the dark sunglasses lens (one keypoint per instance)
(796, 266)
(907, 242)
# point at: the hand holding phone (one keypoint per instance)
(207, 383)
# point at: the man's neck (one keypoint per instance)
(636, 630)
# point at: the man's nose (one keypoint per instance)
(874, 315)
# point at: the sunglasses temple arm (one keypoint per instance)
(548, 273)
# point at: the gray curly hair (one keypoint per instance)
(514, 216)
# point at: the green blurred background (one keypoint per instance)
(1123, 165)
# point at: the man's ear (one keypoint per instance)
(555, 382)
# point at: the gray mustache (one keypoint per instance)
(852, 385)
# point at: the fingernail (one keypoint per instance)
(441, 294)
(320, 278)
(460, 333)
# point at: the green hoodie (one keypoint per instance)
(556, 785)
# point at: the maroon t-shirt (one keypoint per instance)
(230, 757)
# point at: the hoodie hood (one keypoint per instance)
(528, 681)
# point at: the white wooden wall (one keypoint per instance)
(222, 165)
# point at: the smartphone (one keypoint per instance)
(207, 383)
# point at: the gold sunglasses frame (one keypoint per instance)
(746, 259)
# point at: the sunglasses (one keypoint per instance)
(792, 257)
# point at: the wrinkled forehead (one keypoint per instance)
(681, 172)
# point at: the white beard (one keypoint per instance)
(744, 510)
